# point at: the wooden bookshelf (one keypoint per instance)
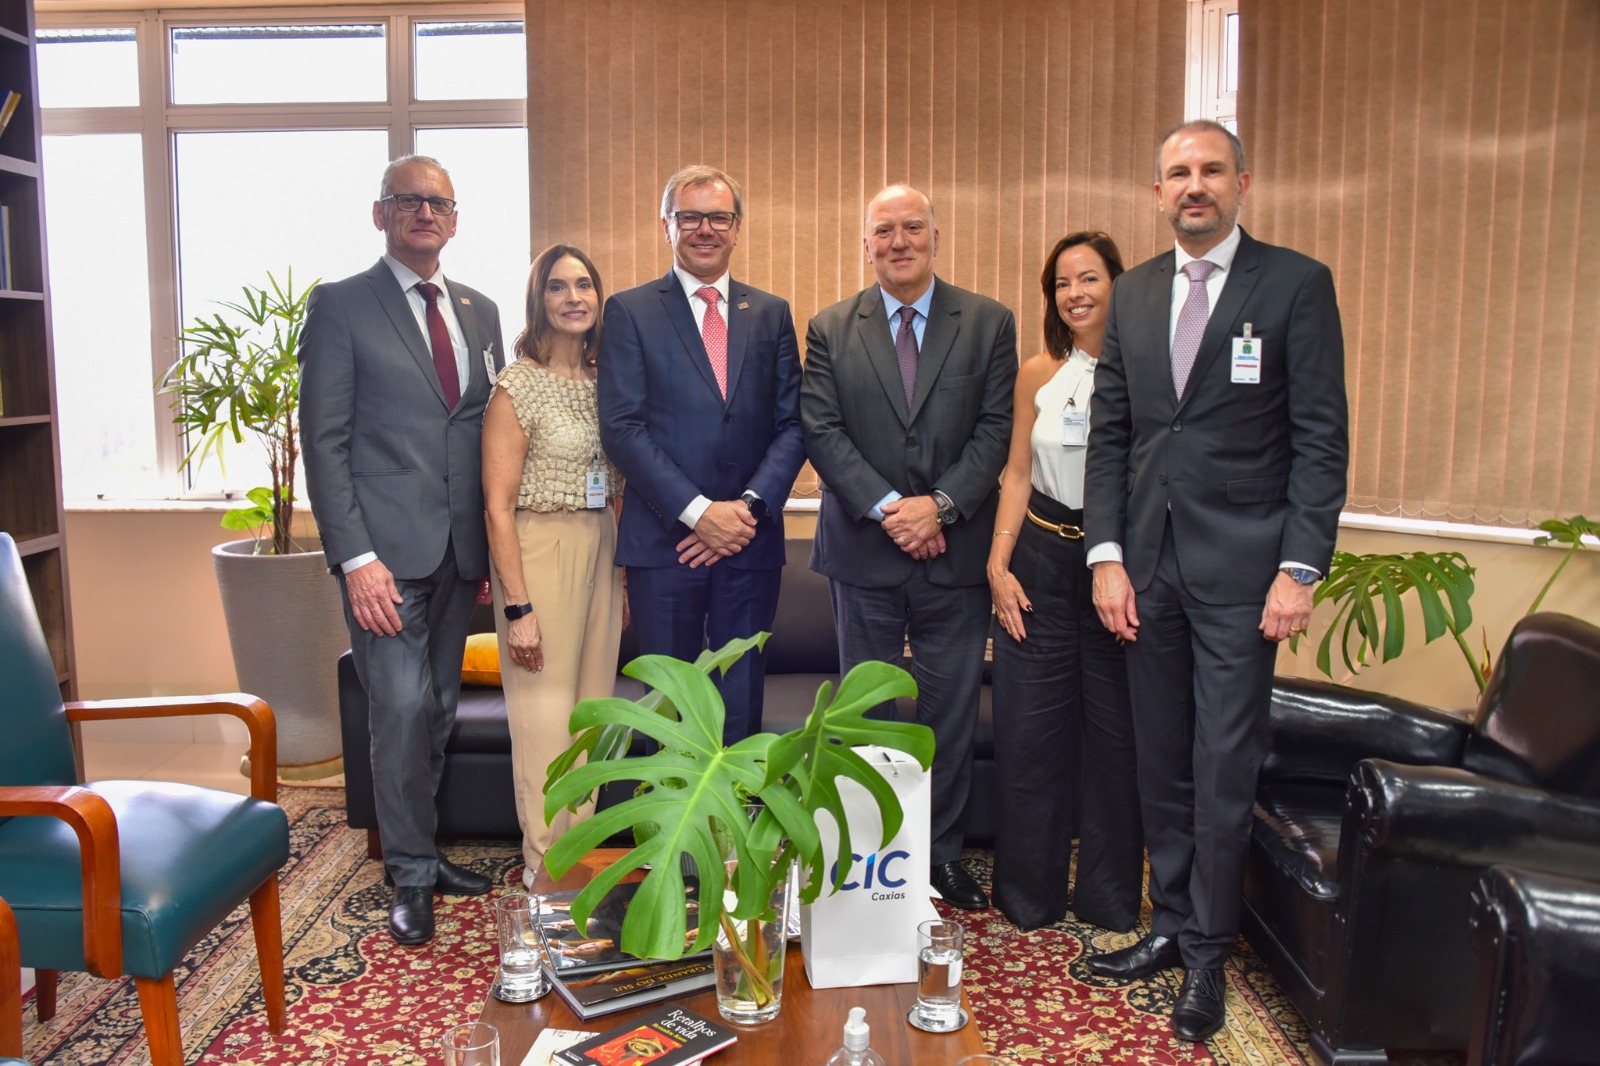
(30, 447)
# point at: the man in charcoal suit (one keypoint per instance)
(1216, 472)
(907, 410)
(395, 370)
(699, 379)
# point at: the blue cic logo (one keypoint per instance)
(878, 871)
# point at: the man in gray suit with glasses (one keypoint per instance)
(396, 365)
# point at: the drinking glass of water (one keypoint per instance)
(471, 1044)
(939, 949)
(522, 977)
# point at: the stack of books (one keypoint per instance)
(597, 977)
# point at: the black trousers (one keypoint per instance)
(1063, 739)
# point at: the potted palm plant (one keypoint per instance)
(744, 813)
(236, 379)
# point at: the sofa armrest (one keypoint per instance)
(91, 818)
(10, 985)
(1455, 817)
(1318, 731)
(254, 712)
(1537, 939)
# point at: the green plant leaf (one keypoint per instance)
(697, 789)
(1442, 582)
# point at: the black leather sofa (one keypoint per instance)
(1375, 817)
(1538, 975)
(476, 797)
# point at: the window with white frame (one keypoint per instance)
(187, 156)
(1213, 83)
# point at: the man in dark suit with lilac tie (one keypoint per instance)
(699, 383)
(1215, 476)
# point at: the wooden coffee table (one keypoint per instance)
(808, 1029)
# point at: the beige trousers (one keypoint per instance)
(576, 592)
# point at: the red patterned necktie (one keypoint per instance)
(714, 331)
(1191, 322)
(444, 352)
(905, 351)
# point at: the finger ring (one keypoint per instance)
(1294, 630)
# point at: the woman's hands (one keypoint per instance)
(525, 643)
(1010, 602)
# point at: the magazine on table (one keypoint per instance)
(670, 1036)
(571, 951)
(592, 995)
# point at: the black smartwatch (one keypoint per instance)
(515, 611)
(758, 506)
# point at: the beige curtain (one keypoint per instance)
(1442, 156)
(1023, 118)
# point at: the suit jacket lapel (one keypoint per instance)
(738, 334)
(944, 322)
(467, 317)
(676, 303)
(1242, 278)
(393, 301)
(872, 324)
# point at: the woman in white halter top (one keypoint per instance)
(1063, 728)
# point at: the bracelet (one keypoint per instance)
(1004, 533)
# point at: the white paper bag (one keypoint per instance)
(866, 933)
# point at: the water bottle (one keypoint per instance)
(856, 1036)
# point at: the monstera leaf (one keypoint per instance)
(1362, 584)
(1568, 531)
(698, 791)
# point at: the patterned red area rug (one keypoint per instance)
(358, 999)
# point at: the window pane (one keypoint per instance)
(244, 211)
(273, 64)
(100, 315)
(1230, 53)
(88, 68)
(489, 169)
(471, 61)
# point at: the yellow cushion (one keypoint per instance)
(481, 664)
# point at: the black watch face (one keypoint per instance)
(758, 506)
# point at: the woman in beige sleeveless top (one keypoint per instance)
(551, 497)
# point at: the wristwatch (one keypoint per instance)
(758, 506)
(947, 508)
(515, 611)
(1302, 575)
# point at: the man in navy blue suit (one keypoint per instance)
(699, 387)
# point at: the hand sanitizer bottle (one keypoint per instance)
(856, 1037)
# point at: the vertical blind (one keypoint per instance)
(1024, 119)
(1442, 157)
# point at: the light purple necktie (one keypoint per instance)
(905, 351)
(1191, 322)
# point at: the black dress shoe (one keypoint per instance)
(452, 880)
(1198, 1012)
(957, 886)
(411, 915)
(1151, 954)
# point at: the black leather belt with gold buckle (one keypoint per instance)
(1060, 529)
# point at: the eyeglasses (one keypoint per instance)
(411, 203)
(690, 220)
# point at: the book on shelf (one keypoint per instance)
(9, 108)
(574, 951)
(670, 1036)
(593, 995)
(5, 247)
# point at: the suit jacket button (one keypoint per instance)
(1162, 478)
(1177, 427)
(911, 442)
(728, 417)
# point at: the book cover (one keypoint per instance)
(9, 108)
(670, 1036)
(593, 995)
(573, 951)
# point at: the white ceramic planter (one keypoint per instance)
(286, 627)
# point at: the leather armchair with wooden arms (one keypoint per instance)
(124, 877)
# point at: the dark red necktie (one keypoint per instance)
(444, 352)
